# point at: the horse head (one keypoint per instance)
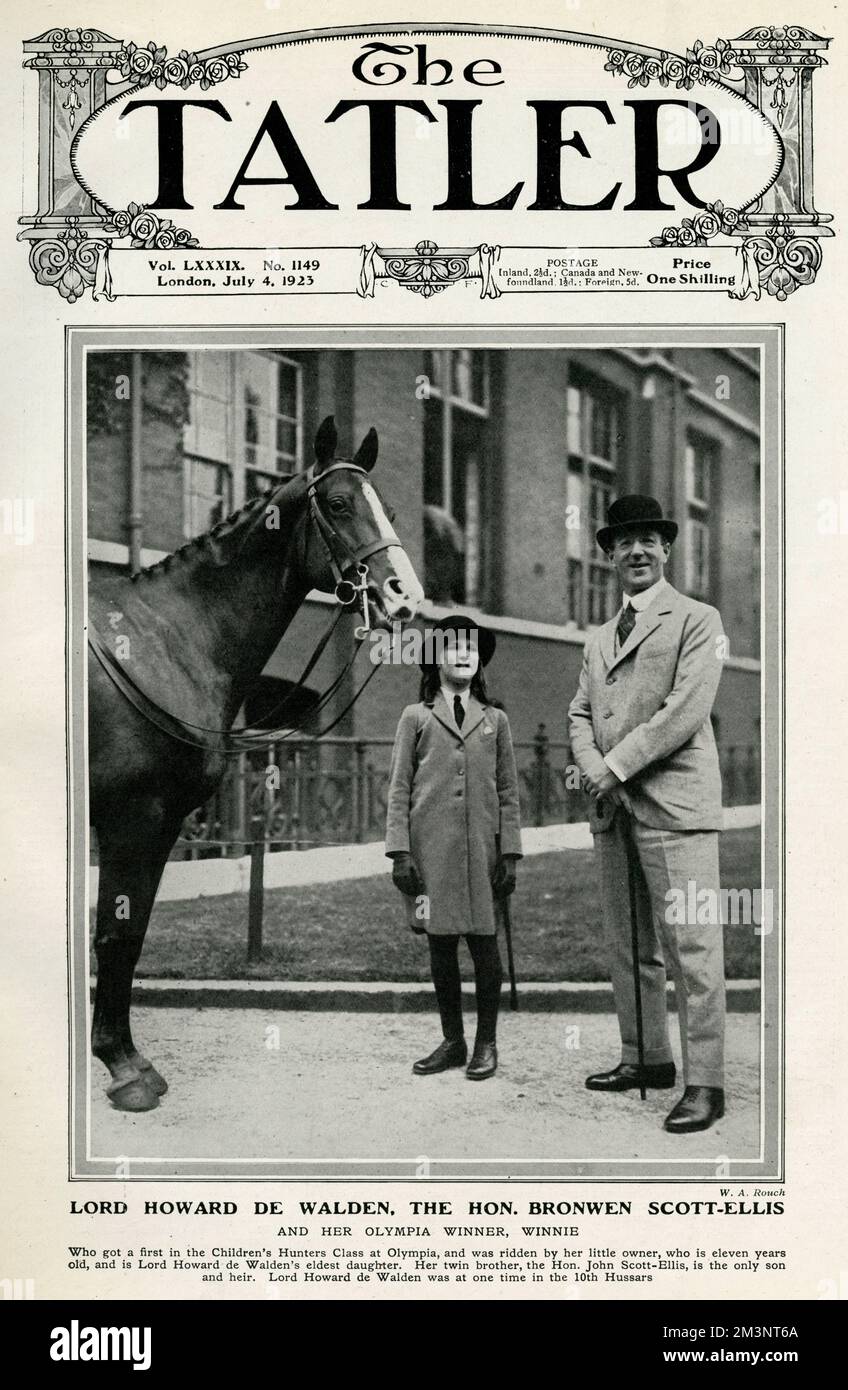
(352, 540)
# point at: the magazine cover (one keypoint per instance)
(423, 524)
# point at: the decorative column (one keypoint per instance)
(782, 228)
(778, 65)
(72, 65)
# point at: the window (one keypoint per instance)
(593, 436)
(208, 495)
(698, 466)
(271, 420)
(701, 460)
(456, 413)
(210, 411)
(698, 558)
(207, 436)
(244, 431)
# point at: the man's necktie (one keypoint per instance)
(626, 624)
(458, 711)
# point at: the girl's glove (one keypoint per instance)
(405, 876)
(503, 879)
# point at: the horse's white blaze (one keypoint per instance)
(411, 593)
(381, 521)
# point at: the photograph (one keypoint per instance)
(403, 639)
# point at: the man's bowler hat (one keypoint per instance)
(635, 513)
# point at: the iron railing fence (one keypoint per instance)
(302, 792)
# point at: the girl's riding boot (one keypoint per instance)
(444, 966)
(488, 978)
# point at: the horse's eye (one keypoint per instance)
(337, 504)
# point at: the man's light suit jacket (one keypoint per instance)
(648, 705)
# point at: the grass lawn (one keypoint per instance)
(356, 931)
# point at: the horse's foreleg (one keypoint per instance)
(131, 864)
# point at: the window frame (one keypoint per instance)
(233, 448)
(711, 451)
(191, 496)
(701, 453)
(698, 570)
(450, 402)
(584, 561)
(240, 412)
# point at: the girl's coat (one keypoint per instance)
(451, 793)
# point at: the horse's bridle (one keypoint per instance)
(347, 591)
(341, 557)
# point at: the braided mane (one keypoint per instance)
(223, 530)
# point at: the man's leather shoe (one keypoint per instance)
(698, 1108)
(484, 1063)
(625, 1077)
(452, 1052)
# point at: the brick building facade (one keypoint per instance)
(499, 465)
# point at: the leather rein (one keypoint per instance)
(349, 593)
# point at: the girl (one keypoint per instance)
(454, 835)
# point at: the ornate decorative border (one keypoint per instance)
(781, 231)
(74, 261)
(784, 259)
(698, 230)
(151, 64)
(427, 269)
(144, 230)
(771, 66)
(669, 69)
(71, 262)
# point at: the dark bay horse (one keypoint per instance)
(193, 634)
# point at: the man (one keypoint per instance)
(642, 739)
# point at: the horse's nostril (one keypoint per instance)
(399, 598)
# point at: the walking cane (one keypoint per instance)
(634, 947)
(513, 990)
(510, 958)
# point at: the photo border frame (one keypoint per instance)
(768, 339)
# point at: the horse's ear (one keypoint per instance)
(326, 440)
(366, 455)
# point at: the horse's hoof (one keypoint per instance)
(133, 1094)
(152, 1077)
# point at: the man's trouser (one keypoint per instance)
(672, 869)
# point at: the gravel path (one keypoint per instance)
(256, 1085)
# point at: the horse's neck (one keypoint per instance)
(213, 613)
